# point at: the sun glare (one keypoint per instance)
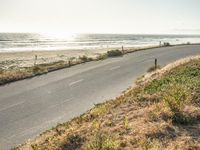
(60, 35)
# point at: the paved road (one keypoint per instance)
(30, 106)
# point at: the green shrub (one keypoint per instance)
(102, 56)
(157, 85)
(176, 96)
(114, 53)
(85, 58)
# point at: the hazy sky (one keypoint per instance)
(100, 16)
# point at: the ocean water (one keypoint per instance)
(34, 42)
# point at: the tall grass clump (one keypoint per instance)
(103, 142)
(175, 98)
(126, 122)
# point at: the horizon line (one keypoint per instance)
(101, 33)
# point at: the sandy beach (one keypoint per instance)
(9, 60)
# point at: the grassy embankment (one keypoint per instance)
(161, 112)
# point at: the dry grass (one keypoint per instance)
(10, 75)
(19, 73)
(153, 68)
(161, 112)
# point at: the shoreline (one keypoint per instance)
(92, 49)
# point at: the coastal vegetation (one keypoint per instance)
(114, 53)
(14, 74)
(18, 73)
(161, 112)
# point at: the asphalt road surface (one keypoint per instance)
(31, 106)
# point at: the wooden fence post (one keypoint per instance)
(123, 49)
(156, 63)
(35, 61)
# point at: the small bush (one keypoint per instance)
(114, 53)
(175, 97)
(99, 110)
(90, 59)
(85, 58)
(102, 56)
(166, 44)
(37, 70)
(181, 118)
(73, 142)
